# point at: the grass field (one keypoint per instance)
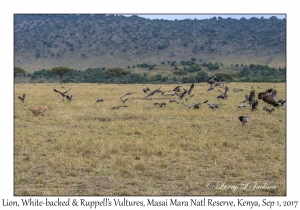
(84, 148)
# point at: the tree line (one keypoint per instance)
(251, 73)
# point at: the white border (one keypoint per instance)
(8, 8)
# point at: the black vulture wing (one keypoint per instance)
(254, 104)
(252, 95)
(65, 92)
(57, 91)
(241, 118)
(191, 89)
(22, 98)
(177, 89)
(69, 97)
(183, 94)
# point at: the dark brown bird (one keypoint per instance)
(263, 94)
(251, 96)
(270, 100)
(22, 98)
(215, 82)
(224, 95)
(63, 94)
(221, 96)
(154, 91)
(244, 119)
(160, 104)
(190, 90)
(117, 107)
(69, 97)
(254, 105)
(177, 88)
(173, 101)
(99, 100)
(183, 93)
(268, 110)
(146, 89)
(123, 101)
(126, 94)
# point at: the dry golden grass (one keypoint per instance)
(83, 148)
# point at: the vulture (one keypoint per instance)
(213, 106)
(177, 89)
(123, 101)
(282, 102)
(173, 101)
(268, 110)
(215, 82)
(99, 100)
(254, 105)
(183, 94)
(126, 94)
(187, 91)
(196, 106)
(62, 93)
(270, 100)
(205, 101)
(263, 94)
(221, 96)
(69, 97)
(146, 89)
(160, 104)
(191, 89)
(212, 86)
(268, 92)
(244, 119)
(224, 95)
(153, 92)
(117, 107)
(251, 96)
(22, 98)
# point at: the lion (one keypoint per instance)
(39, 110)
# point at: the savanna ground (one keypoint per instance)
(83, 148)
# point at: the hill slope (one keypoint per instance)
(85, 41)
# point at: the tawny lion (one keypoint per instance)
(39, 110)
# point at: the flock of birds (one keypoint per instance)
(269, 96)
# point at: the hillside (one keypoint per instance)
(94, 41)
